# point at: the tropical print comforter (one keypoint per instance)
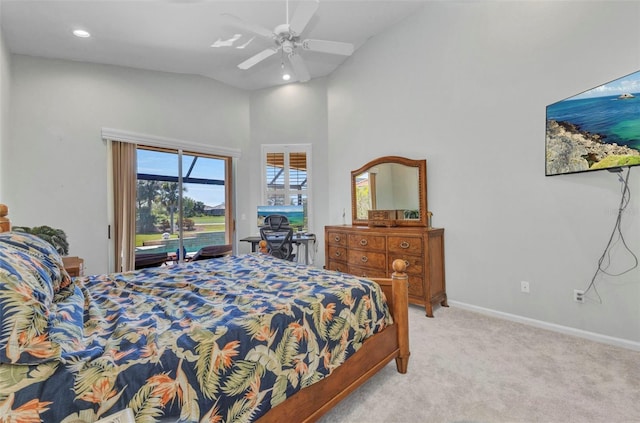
(220, 340)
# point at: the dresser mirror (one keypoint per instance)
(393, 186)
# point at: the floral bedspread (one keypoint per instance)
(220, 340)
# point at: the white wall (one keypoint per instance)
(58, 161)
(289, 114)
(5, 94)
(465, 86)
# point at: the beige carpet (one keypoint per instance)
(468, 367)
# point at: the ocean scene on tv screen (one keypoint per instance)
(295, 214)
(597, 129)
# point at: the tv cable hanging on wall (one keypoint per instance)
(605, 259)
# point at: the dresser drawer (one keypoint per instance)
(415, 264)
(370, 242)
(337, 253)
(338, 266)
(405, 244)
(337, 238)
(368, 259)
(366, 272)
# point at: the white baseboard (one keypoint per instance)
(618, 342)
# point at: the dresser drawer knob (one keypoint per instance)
(404, 244)
(337, 238)
(338, 254)
(406, 263)
(364, 259)
(363, 242)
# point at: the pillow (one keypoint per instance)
(51, 269)
(26, 296)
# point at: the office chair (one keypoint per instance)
(279, 241)
(276, 221)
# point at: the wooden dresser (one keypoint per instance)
(369, 252)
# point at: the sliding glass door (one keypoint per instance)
(183, 201)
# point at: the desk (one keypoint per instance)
(302, 240)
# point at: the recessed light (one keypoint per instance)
(81, 33)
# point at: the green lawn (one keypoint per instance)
(208, 219)
(203, 224)
(140, 238)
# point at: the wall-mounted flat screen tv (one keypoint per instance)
(596, 129)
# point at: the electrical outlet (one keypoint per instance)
(524, 286)
(578, 296)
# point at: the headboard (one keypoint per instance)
(5, 223)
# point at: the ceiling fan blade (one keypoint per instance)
(333, 47)
(242, 25)
(243, 45)
(254, 60)
(304, 13)
(299, 67)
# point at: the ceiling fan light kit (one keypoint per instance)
(285, 75)
(81, 33)
(287, 40)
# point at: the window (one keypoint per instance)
(181, 196)
(286, 177)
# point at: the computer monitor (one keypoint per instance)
(295, 214)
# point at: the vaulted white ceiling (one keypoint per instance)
(177, 35)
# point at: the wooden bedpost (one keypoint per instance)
(262, 246)
(5, 223)
(401, 312)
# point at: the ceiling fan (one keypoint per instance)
(287, 39)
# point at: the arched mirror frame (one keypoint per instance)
(421, 166)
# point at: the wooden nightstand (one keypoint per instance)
(74, 266)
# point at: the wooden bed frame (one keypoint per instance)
(5, 224)
(310, 403)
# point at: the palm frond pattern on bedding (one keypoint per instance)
(220, 340)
